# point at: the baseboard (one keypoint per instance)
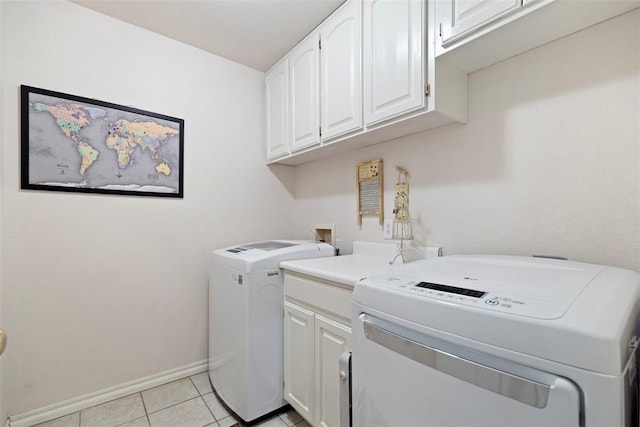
(75, 404)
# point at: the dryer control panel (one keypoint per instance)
(532, 287)
(479, 297)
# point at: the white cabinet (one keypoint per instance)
(465, 16)
(394, 49)
(299, 354)
(304, 94)
(331, 340)
(474, 34)
(379, 79)
(321, 81)
(277, 97)
(316, 333)
(341, 71)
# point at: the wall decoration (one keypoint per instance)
(402, 229)
(370, 194)
(76, 144)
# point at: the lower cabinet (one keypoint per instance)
(332, 339)
(314, 339)
(298, 359)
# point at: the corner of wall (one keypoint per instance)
(3, 406)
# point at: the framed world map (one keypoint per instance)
(76, 144)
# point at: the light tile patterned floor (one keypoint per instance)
(188, 402)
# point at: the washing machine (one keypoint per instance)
(245, 323)
(496, 341)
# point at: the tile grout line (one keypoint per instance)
(144, 406)
(195, 386)
(176, 404)
(203, 401)
(215, 420)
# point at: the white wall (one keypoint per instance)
(3, 406)
(101, 290)
(547, 164)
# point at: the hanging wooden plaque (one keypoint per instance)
(370, 190)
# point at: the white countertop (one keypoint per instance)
(345, 269)
(368, 259)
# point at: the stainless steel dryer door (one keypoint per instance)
(405, 378)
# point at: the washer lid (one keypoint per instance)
(267, 255)
(267, 245)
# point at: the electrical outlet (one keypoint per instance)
(388, 229)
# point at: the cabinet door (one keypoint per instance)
(341, 71)
(277, 94)
(394, 43)
(462, 17)
(298, 359)
(304, 92)
(332, 339)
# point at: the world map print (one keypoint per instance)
(97, 146)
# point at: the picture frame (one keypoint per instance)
(75, 144)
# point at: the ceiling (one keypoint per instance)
(256, 33)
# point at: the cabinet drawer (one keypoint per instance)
(323, 295)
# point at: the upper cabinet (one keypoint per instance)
(323, 92)
(277, 97)
(341, 71)
(376, 77)
(473, 34)
(304, 94)
(466, 16)
(394, 49)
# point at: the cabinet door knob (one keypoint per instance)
(342, 375)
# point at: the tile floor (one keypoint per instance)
(188, 402)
